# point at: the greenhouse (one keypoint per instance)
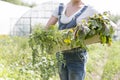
(24, 19)
(37, 15)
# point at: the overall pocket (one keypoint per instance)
(83, 56)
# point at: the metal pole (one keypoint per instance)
(30, 26)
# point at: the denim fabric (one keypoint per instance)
(74, 66)
(72, 23)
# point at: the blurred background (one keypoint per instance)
(17, 20)
(18, 17)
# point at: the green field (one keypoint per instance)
(16, 61)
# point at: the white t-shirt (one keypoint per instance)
(90, 11)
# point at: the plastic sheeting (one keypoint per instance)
(9, 14)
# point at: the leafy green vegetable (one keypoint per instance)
(54, 40)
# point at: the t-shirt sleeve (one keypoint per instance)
(90, 11)
(55, 13)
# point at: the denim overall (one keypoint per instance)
(73, 65)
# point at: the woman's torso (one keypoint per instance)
(69, 13)
(66, 16)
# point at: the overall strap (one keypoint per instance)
(60, 10)
(72, 23)
(81, 11)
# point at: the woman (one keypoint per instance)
(69, 16)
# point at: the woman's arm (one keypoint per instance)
(52, 21)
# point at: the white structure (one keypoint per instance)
(118, 30)
(37, 15)
(9, 14)
(24, 19)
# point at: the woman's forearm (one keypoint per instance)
(52, 21)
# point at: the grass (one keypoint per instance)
(103, 62)
(15, 61)
(112, 66)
